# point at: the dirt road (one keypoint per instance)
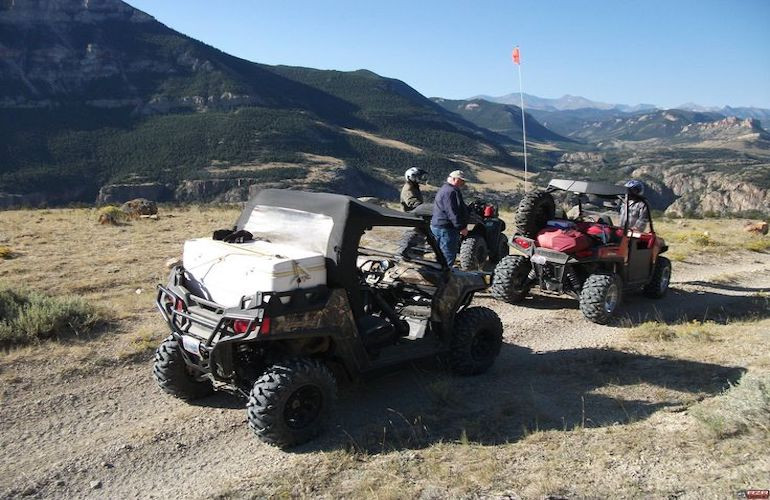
(110, 432)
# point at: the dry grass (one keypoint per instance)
(688, 238)
(697, 331)
(758, 244)
(67, 253)
(742, 410)
(696, 442)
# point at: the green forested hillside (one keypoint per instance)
(131, 100)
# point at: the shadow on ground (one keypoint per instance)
(524, 391)
(711, 302)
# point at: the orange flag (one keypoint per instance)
(516, 57)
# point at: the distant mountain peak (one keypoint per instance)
(563, 103)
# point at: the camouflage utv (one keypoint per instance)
(281, 337)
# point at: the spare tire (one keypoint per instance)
(535, 209)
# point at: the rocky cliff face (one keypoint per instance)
(50, 48)
(106, 54)
(338, 178)
(728, 129)
(682, 182)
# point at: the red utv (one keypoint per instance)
(585, 256)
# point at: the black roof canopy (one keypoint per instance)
(588, 187)
(341, 208)
(350, 216)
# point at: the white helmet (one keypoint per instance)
(416, 175)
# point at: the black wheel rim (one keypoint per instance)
(520, 278)
(483, 346)
(303, 407)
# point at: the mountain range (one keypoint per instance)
(503, 119)
(563, 103)
(100, 102)
(98, 95)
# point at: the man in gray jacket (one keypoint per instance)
(450, 216)
(638, 215)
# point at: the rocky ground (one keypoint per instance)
(71, 427)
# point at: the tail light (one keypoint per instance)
(241, 325)
(179, 305)
(245, 326)
(489, 211)
(522, 242)
(264, 328)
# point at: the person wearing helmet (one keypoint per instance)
(636, 214)
(411, 197)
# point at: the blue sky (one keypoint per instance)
(658, 52)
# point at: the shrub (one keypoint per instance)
(760, 244)
(31, 317)
(111, 215)
(743, 409)
(652, 330)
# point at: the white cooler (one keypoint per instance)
(225, 272)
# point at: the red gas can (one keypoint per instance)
(563, 240)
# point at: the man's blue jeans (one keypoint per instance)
(448, 242)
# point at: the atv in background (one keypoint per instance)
(484, 245)
(584, 256)
(291, 299)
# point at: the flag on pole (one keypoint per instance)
(517, 60)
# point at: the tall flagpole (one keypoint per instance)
(517, 61)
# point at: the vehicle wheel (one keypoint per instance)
(600, 297)
(291, 403)
(661, 277)
(411, 244)
(535, 209)
(478, 336)
(510, 278)
(473, 253)
(174, 377)
(502, 247)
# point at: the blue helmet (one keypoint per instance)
(635, 187)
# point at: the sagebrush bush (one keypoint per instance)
(111, 215)
(743, 409)
(6, 252)
(31, 317)
(759, 244)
